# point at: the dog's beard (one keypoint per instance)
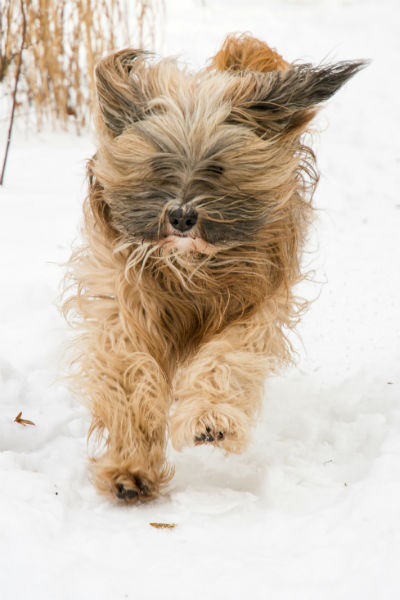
(184, 266)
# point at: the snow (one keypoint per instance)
(310, 511)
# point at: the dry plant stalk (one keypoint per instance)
(64, 39)
(5, 64)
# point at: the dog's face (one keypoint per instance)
(202, 161)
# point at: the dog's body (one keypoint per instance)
(199, 200)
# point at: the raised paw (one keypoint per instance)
(222, 426)
(209, 436)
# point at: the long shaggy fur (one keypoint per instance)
(177, 331)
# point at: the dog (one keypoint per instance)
(197, 212)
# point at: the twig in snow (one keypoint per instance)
(18, 419)
(163, 525)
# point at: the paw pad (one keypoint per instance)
(132, 489)
(209, 436)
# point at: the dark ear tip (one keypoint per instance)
(351, 67)
(328, 79)
(348, 68)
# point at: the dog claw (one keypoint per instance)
(121, 491)
(209, 437)
(144, 489)
(204, 437)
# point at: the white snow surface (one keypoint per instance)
(312, 509)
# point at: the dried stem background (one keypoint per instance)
(63, 41)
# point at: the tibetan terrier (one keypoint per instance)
(197, 211)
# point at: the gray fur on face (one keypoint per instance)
(220, 143)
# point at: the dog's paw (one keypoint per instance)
(222, 426)
(208, 436)
(132, 487)
(126, 483)
(218, 430)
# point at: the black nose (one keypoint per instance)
(183, 220)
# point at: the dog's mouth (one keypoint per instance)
(187, 241)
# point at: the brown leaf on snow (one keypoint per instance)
(21, 421)
(163, 525)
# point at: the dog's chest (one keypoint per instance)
(188, 320)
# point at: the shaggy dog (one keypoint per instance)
(199, 200)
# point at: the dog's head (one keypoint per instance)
(208, 160)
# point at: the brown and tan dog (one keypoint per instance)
(199, 200)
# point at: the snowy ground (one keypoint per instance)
(311, 511)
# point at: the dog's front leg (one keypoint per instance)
(129, 403)
(219, 392)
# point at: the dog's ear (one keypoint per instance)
(96, 205)
(120, 89)
(286, 100)
(245, 52)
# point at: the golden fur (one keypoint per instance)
(177, 331)
(242, 52)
